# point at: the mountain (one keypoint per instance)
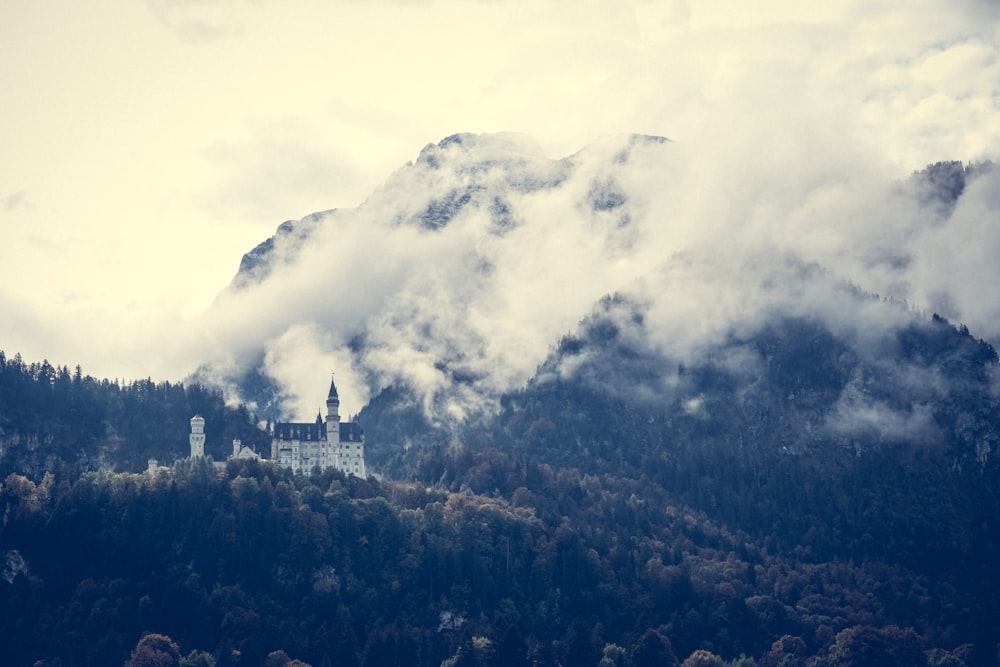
(451, 286)
(783, 360)
(463, 172)
(786, 419)
(792, 385)
(625, 412)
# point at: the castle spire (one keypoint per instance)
(333, 427)
(332, 404)
(333, 391)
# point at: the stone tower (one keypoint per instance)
(332, 427)
(197, 437)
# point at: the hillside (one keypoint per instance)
(569, 569)
(56, 421)
(800, 495)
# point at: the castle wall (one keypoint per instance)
(302, 446)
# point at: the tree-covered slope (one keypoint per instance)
(797, 492)
(260, 565)
(55, 420)
(822, 439)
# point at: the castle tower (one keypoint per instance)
(332, 427)
(197, 437)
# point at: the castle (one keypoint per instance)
(302, 446)
(330, 443)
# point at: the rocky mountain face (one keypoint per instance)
(287, 241)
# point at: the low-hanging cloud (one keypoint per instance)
(460, 274)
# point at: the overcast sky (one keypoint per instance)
(147, 145)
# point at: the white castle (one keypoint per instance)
(302, 446)
(327, 444)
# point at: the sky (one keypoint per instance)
(148, 145)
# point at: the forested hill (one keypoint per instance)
(261, 567)
(799, 494)
(54, 419)
(816, 443)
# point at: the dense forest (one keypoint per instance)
(814, 448)
(56, 420)
(595, 520)
(257, 563)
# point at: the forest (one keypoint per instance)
(579, 526)
(257, 563)
(56, 420)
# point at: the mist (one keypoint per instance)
(458, 277)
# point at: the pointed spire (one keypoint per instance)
(333, 391)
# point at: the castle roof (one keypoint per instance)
(333, 392)
(349, 431)
(297, 431)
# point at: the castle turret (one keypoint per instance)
(332, 453)
(197, 437)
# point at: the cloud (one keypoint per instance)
(459, 275)
(15, 201)
(303, 351)
(468, 303)
(858, 419)
(200, 21)
(954, 264)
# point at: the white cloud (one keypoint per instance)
(955, 267)
(15, 200)
(200, 21)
